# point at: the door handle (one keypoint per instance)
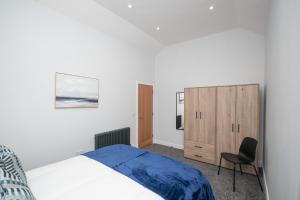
(196, 115)
(238, 128)
(198, 147)
(198, 156)
(232, 127)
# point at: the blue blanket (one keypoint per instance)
(168, 178)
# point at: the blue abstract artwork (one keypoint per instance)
(76, 91)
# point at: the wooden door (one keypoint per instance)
(145, 115)
(247, 115)
(191, 125)
(207, 115)
(226, 128)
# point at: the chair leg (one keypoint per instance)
(220, 165)
(241, 169)
(234, 177)
(258, 178)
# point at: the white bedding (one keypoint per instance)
(81, 178)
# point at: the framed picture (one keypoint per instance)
(76, 91)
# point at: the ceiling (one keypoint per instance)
(91, 13)
(181, 20)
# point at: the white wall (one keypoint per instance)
(232, 57)
(282, 160)
(36, 42)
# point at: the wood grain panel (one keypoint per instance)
(200, 151)
(191, 123)
(207, 119)
(201, 147)
(247, 115)
(145, 115)
(226, 127)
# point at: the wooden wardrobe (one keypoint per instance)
(200, 124)
(217, 119)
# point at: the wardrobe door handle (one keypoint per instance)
(238, 128)
(198, 147)
(198, 156)
(232, 127)
(196, 115)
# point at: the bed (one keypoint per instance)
(119, 172)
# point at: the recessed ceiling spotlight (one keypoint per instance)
(129, 5)
(211, 7)
(157, 28)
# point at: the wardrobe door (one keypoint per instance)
(247, 114)
(226, 128)
(207, 121)
(207, 112)
(191, 129)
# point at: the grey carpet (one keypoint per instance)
(247, 187)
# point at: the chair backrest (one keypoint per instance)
(248, 149)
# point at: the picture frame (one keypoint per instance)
(74, 91)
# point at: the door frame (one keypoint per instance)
(137, 83)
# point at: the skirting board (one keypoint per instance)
(169, 144)
(266, 185)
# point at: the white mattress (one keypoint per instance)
(81, 178)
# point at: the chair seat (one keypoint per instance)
(235, 158)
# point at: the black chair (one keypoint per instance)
(245, 157)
